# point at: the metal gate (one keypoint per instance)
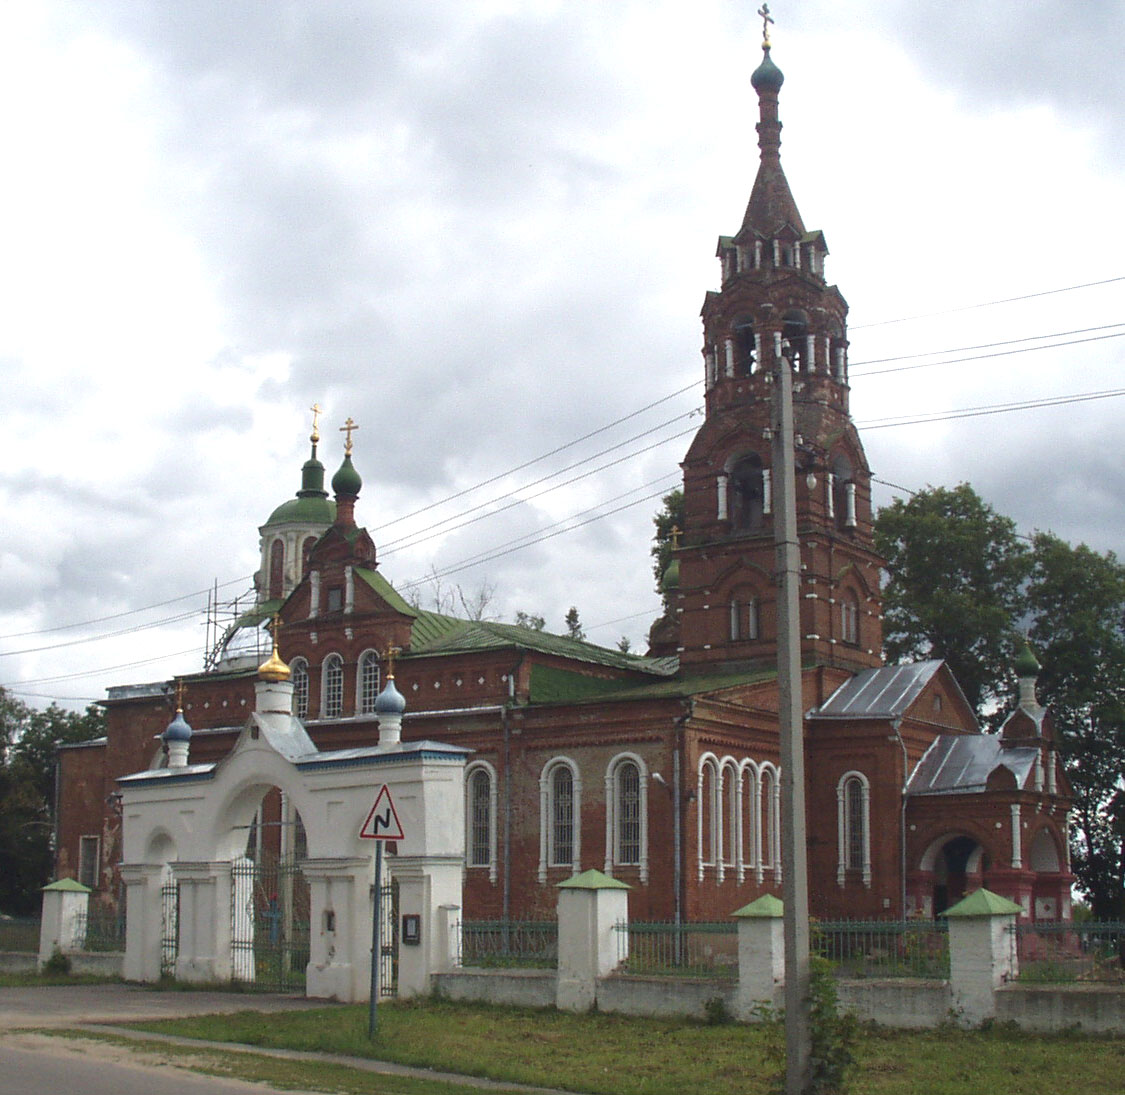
(169, 928)
(269, 924)
(388, 940)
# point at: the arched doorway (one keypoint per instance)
(958, 868)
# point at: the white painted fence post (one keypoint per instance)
(591, 905)
(761, 956)
(982, 953)
(62, 927)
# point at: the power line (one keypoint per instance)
(104, 669)
(987, 304)
(989, 408)
(120, 615)
(538, 459)
(108, 635)
(981, 346)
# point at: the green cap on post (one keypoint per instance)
(67, 885)
(593, 880)
(765, 907)
(983, 902)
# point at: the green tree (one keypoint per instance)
(670, 516)
(29, 741)
(530, 621)
(956, 583)
(573, 625)
(1077, 601)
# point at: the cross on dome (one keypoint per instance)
(347, 428)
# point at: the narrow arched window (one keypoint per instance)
(479, 818)
(277, 570)
(795, 330)
(562, 817)
(744, 349)
(849, 620)
(299, 675)
(369, 681)
(743, 618)
(332, 687)
(560, 812)
(853, 824)
(747, 489)
(768, 804)
(627, 812)
(306, 551)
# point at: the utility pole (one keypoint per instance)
(795, 889)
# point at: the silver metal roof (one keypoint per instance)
(962, 763)
(883, 693)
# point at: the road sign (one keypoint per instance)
(383, 823)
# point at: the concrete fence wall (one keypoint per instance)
(980, 986)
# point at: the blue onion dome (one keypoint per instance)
(767, 76)
(178, 729)
(390, 701)
(347, 480)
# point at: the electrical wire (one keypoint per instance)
(107, 635)
(989, 408)
(987, 304)
(104, 669)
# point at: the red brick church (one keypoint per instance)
(661, 770)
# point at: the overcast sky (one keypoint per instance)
(484, 230)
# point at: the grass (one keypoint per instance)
(33, 979)
(614, 1055)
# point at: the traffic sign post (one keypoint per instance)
(382, 824)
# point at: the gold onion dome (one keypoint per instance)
(273, 668)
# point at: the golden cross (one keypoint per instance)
(315, 408)
(179, 694)
(391, 652)
(347, 428)
(676, 532)
(764, 12)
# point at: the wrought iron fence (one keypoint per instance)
(100, 928)
(703, 949)
(531, 944)
(883, 948)
(19, 933)
(1054, 951)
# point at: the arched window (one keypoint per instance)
(277, 570)
(368, 681)
(749, 829)
(332, 687)
(794, 330)
(745, 355)
(747, 494)
(853, 806)
(306, 551)
(849, 619)
(743, 618)
(560, 834)
(626, 815)
(841, 493)
(708, 814)
(770, 805)
(729, 796)
(299, 675)
(480, 817)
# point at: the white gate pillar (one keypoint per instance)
(425, 883)
(144, 920)
(339, 929)
(205, 921)
(62, 926)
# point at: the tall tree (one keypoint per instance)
(670, 516)
(29, 742)
(1077, 601)
(574, 625)
(955, 590)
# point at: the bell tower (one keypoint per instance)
(774, 302)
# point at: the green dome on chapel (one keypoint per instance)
(347, 480)
(1026, 664)
(767, 75)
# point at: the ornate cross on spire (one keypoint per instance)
(391, 652)
(179, 695)
(676, 533)
(764, 12)
(347, 428)
(315, 436)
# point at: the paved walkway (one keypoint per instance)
(99, 1007)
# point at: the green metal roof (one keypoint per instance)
(304, 511)
(983, 902)
(67, 885)
(765, 907)
(387, 591)
(551, 685)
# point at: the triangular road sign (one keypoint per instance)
(383, 823)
